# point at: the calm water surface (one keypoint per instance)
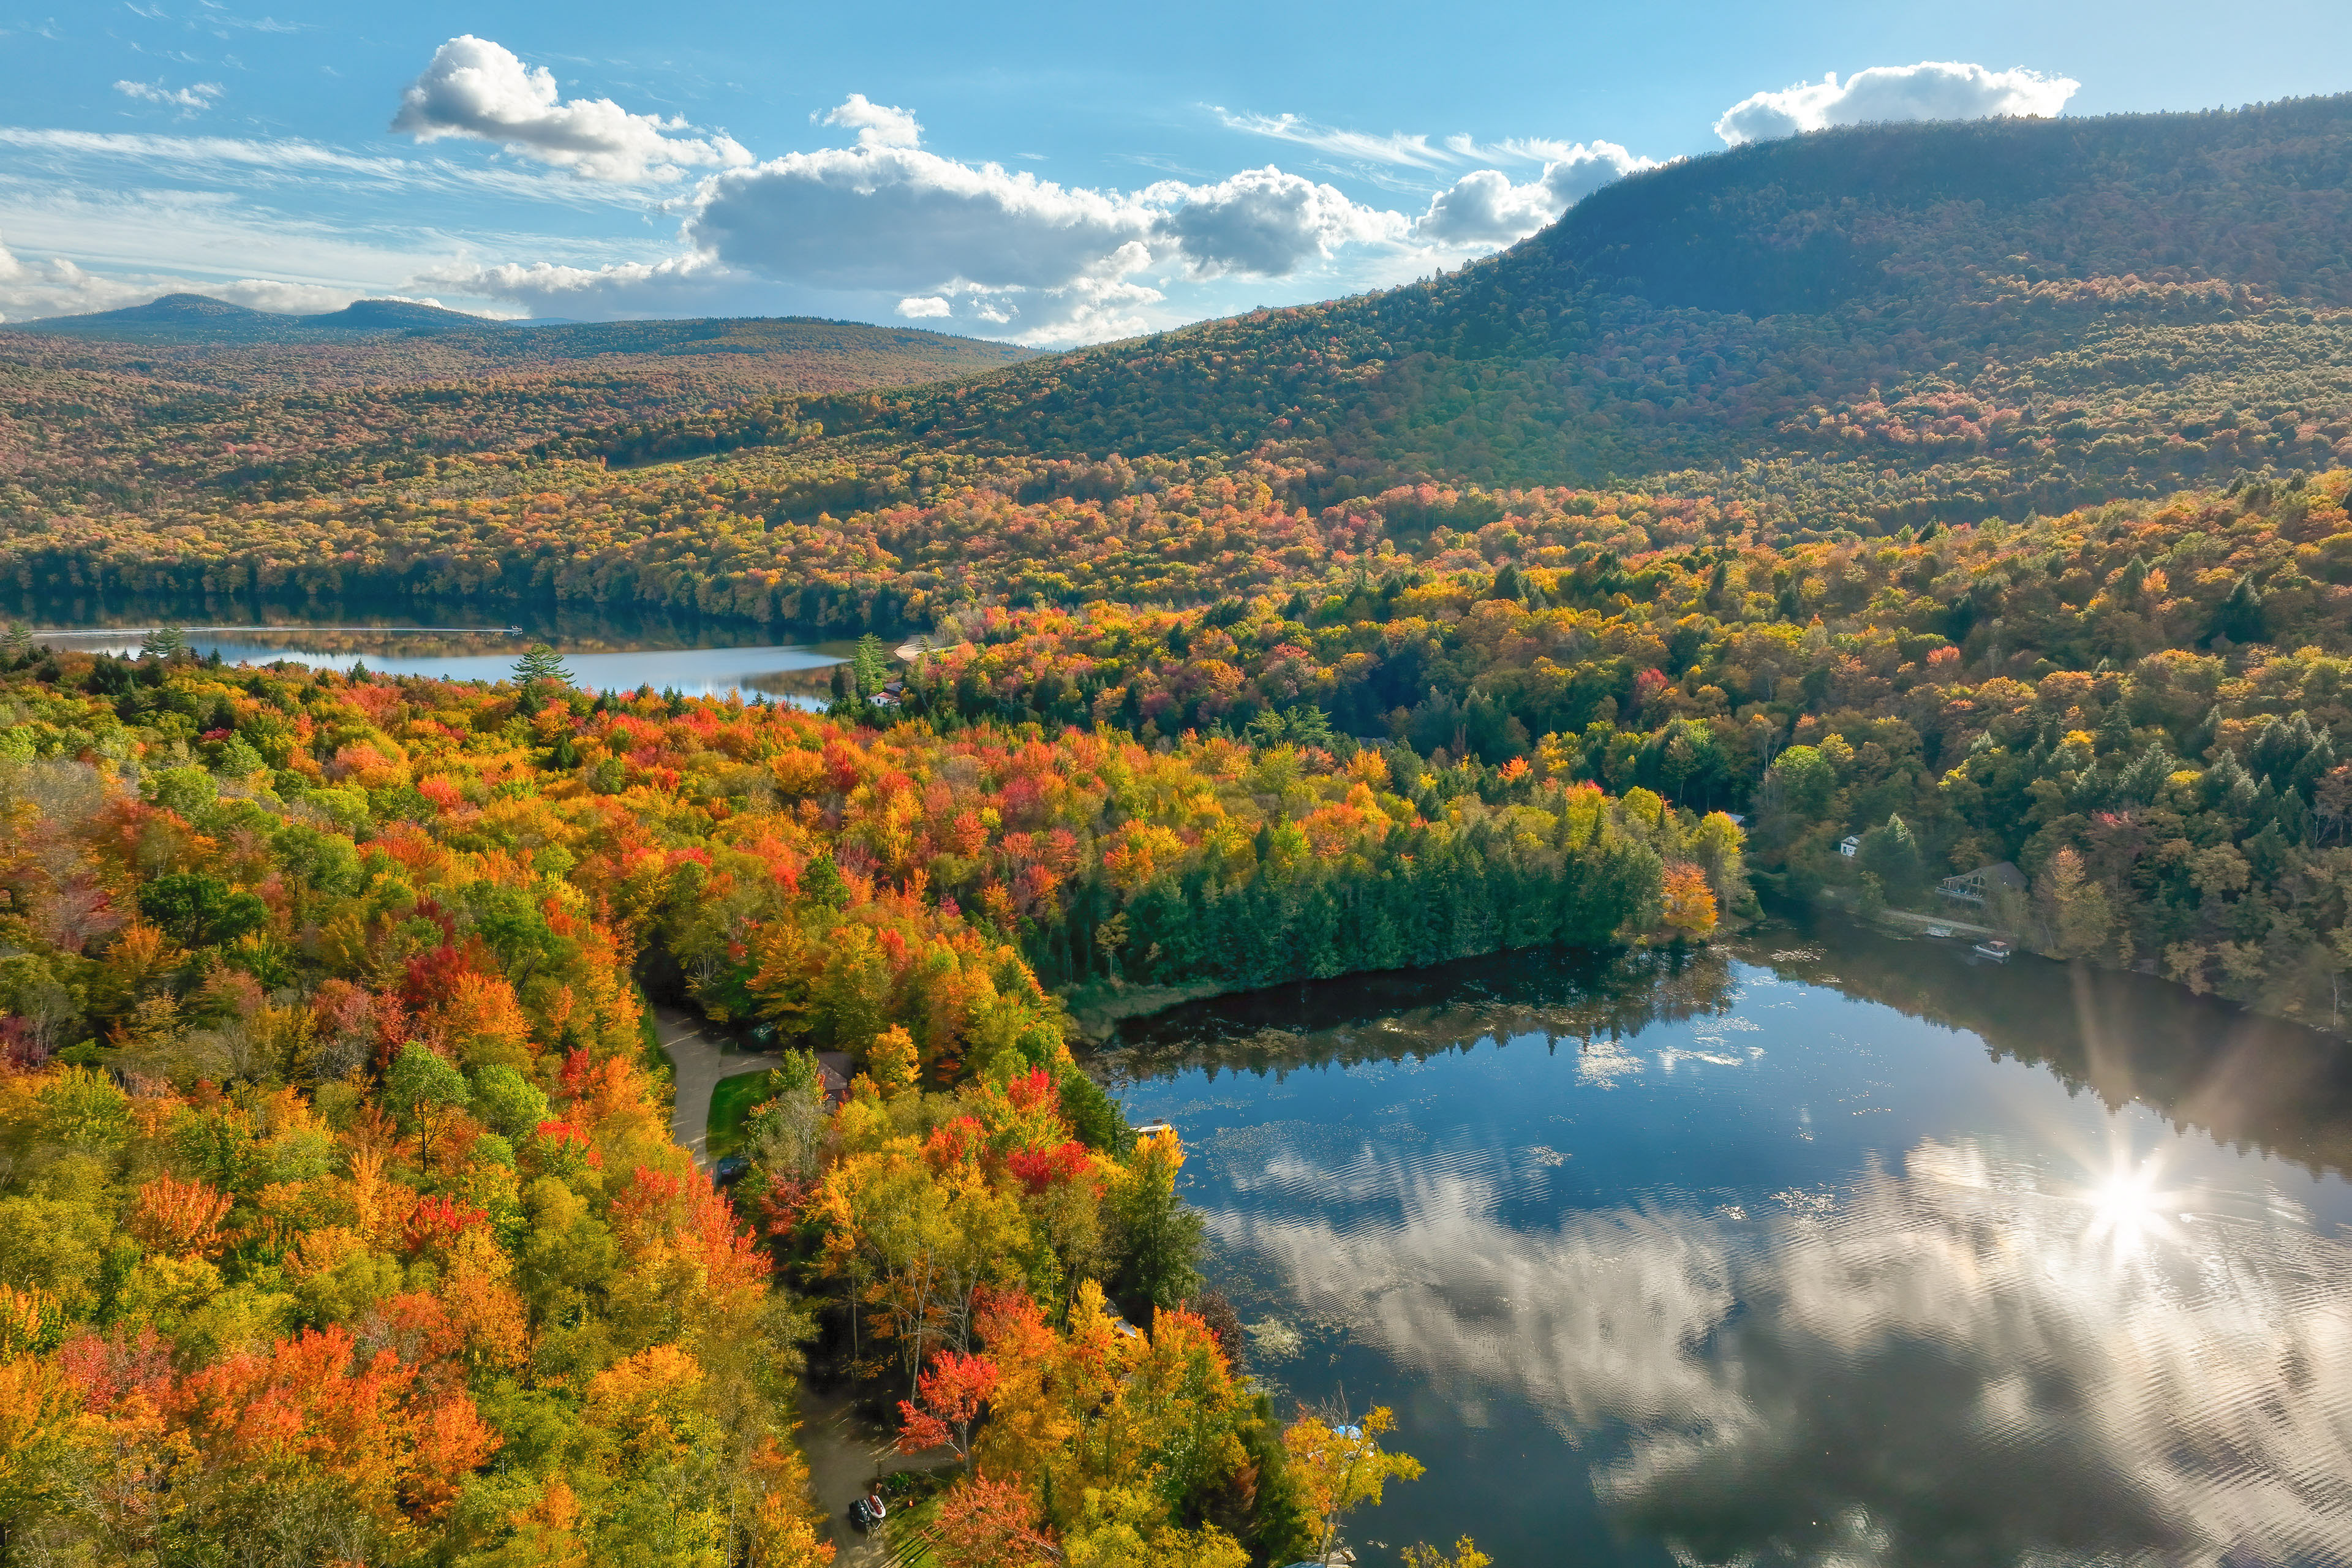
(1822, 1250)
(701, 659)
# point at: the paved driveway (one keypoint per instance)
(701, 1061)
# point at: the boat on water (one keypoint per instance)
(1993, 948)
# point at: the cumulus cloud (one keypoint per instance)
(1932, 90)
(876, 124)
(1486, 207)
(1016, 247)
(885, 224)
(903, 219)
(477, 89)
(618, 289)
(1482, 207)
(188, 100)
(1262, 223)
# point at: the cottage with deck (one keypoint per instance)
(1975, 887)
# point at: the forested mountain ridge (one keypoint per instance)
(198, 320)
(199, 317)
(1971, 358)
(148, 424)
(2006, 314)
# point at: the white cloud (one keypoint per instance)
(668, 286)
(195, 151)
(1484, 207)
(245, 163)
(1050, 260)
(1262, 223)
(1085, 309)
(188, 100)
(1932, 90)
(1515, 149)
(1582, 170)
(1413, 152)
(925, 307)
(909, 221)
(473, 88)
(876, 124)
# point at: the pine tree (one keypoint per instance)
(870, 665)
(2241, 617)
(540, 663)
(164, 642)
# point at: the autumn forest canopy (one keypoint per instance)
(1814, 521)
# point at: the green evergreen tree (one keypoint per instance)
(540, 663)
(2241, 617)
(163, 642)
(1159, 1240)
(870, 665)
(1889, 852)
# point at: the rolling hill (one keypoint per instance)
(1861, 327)
(1848, 332)
(191, 400)
(200, 319)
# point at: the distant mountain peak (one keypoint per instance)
(177, 307)
(396, 315)
(202, 318)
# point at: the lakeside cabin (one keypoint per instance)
(1975, 887)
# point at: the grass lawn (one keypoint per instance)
(731, 1100)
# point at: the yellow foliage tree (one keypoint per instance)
(1689, 902)
(895, 1064)
(1341, 1465)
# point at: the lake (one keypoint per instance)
(696, 658)
(1813, 1248)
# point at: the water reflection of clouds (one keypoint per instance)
(1951, 1363)
(1672, 1056)
(795, 674)
(1601, 1063)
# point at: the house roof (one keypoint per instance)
(1999, 873)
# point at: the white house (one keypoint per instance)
(1849, 845)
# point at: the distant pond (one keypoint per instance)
(1818, 1248)
(697, 659)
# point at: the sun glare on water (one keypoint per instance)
(2128, 1208)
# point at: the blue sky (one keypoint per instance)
(1050, 172)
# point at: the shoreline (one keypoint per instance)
(1098, 1008)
